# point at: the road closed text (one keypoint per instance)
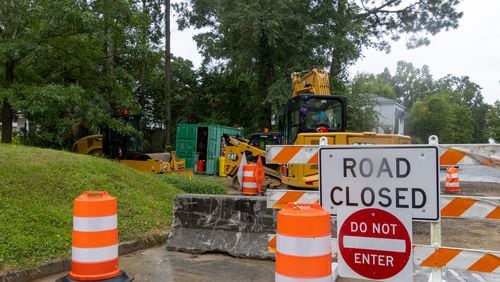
(382, 196)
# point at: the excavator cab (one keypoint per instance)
(120, 146)
(314, 113)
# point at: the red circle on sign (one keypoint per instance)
(374, 243)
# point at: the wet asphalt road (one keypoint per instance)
(157, 265)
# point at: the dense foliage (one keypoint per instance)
(71, 66)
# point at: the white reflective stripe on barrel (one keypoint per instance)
(281, 278)
(100, 223)
(452, 184)
(249, 184)
(94, 254)
(304, 247)
(248, 173)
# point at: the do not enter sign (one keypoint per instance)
(374, 244)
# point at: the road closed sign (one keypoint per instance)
(391, 177)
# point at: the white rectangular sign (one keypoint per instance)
(395, 177)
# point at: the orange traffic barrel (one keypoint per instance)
(94, 251)
(452, 183)
(303, 248)
(249, 185)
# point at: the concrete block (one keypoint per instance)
(234, 224)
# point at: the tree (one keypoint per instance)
(34, 34)
(438, 115)
(19, 34)
(466, 93)
(350, 26)
(360, 114)
(265, 40)
(270, 39)
(493, 121)
(412, 83)
(374, 84)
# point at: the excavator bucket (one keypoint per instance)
(159, 163)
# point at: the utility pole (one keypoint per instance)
(168, 74)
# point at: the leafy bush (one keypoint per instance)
(194, 184)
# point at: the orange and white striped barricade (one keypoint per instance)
(303, 248)
(454, 258)
(469, 154)
(249, 183)
(470, 207)
(94, 251)
(278, 199)
(452, 184)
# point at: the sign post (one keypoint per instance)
(374, 244)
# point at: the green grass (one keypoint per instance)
(194, 185)
(37, 189)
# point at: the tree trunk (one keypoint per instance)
(168, 72)
(7, 110)
(110, 50)
(142, 74)
(340, 35)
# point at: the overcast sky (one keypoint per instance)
(473, 49)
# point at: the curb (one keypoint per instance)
(61, 265)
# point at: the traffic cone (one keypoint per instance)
(249, 183)
(303, 248)
(94, 251)
(452, 184)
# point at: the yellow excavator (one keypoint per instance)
(311, 113)
(128, 150)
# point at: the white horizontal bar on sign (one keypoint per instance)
(93, 224)
(374, 243)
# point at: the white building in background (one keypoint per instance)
(19, 123)
(391, 115)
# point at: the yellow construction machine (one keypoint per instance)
(237, 147)
(311, 113)
(128, 150)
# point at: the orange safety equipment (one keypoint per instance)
(249, 185)
(200, 165)
(452, 184)
(94, 251)
(303, 248)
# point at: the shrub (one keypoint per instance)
(194, 184)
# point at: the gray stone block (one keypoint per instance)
(234, 224)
